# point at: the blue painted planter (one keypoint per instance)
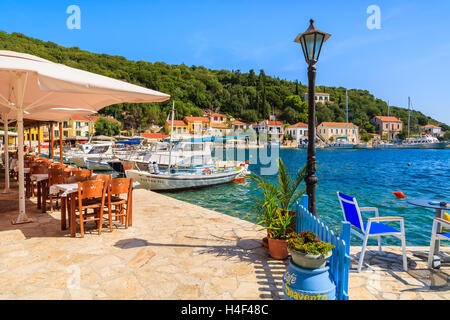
(305, 284)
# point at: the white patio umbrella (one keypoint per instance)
(31, 86)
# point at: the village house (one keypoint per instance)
(388, 126)
(154, 137)
(217, 118)
(298, 131)
(218, 129)
(238, 125)
(435, 131)
(179, 128)
(318, 97)
(197, 125)
(333, 130)
(273, 129)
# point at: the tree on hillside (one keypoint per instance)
(105, 127)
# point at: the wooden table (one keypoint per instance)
(42, 182)
(70, 191)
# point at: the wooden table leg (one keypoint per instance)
(44, 195)
(130, 211)
(63, 214)
(73, 225)
(38, 185)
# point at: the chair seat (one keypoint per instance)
(447, 235)
(379, 228)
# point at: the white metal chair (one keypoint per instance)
(374, 227)
(438, 223)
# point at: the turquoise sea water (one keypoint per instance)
(368, 175)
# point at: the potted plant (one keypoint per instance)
(308, 251)
(272, 207)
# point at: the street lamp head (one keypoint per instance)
(312, 41)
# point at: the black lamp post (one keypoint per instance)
(312, 41)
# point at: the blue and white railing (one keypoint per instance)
(340, 260)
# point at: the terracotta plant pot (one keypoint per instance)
(278, 249)
(265, 242)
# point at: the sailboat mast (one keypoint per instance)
(171, 136)
(409, 115)
(346, 113)
(389, 124)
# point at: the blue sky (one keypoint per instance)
(408, 56)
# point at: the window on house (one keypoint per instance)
(65, 125)
(78, 133)
(66, 134)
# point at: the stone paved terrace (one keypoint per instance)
(174, 250)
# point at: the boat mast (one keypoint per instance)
(389, 124)
(346, 113)
(409, 115)
(171, 136)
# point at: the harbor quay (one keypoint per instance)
(178, 250)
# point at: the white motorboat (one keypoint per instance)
(384, 145)
(425, 141)
(95, 158)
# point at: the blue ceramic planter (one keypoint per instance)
(307, 284)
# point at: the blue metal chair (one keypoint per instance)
(436, 234)
(374, 227)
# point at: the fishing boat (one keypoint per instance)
(187, 165)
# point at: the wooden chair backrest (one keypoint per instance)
(39, 169)
(91, 189)
(120, 186)
(71, 170)
(103, 177)
(73, 179)
(57, 176)
(58, 165)
(82, 173)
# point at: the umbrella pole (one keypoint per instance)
(60, 144)
(51, 154)
(6, 153)
(19, 87)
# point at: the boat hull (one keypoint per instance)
(165, 182)
(98, 165)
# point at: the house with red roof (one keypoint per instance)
(179, 127)
(272, 128)
(433, 130)
(154, 136)
(333, 130)
(197, 125)
(238, 125)
(390, 126)
(298, 131)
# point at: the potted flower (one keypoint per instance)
(308, 251)
(272, 207)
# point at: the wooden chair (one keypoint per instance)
(91, 196)
(122, 207)
(82, 173)
(56, 176)
(103, 177)
(37, 168)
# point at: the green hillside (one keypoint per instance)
(248, 96)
